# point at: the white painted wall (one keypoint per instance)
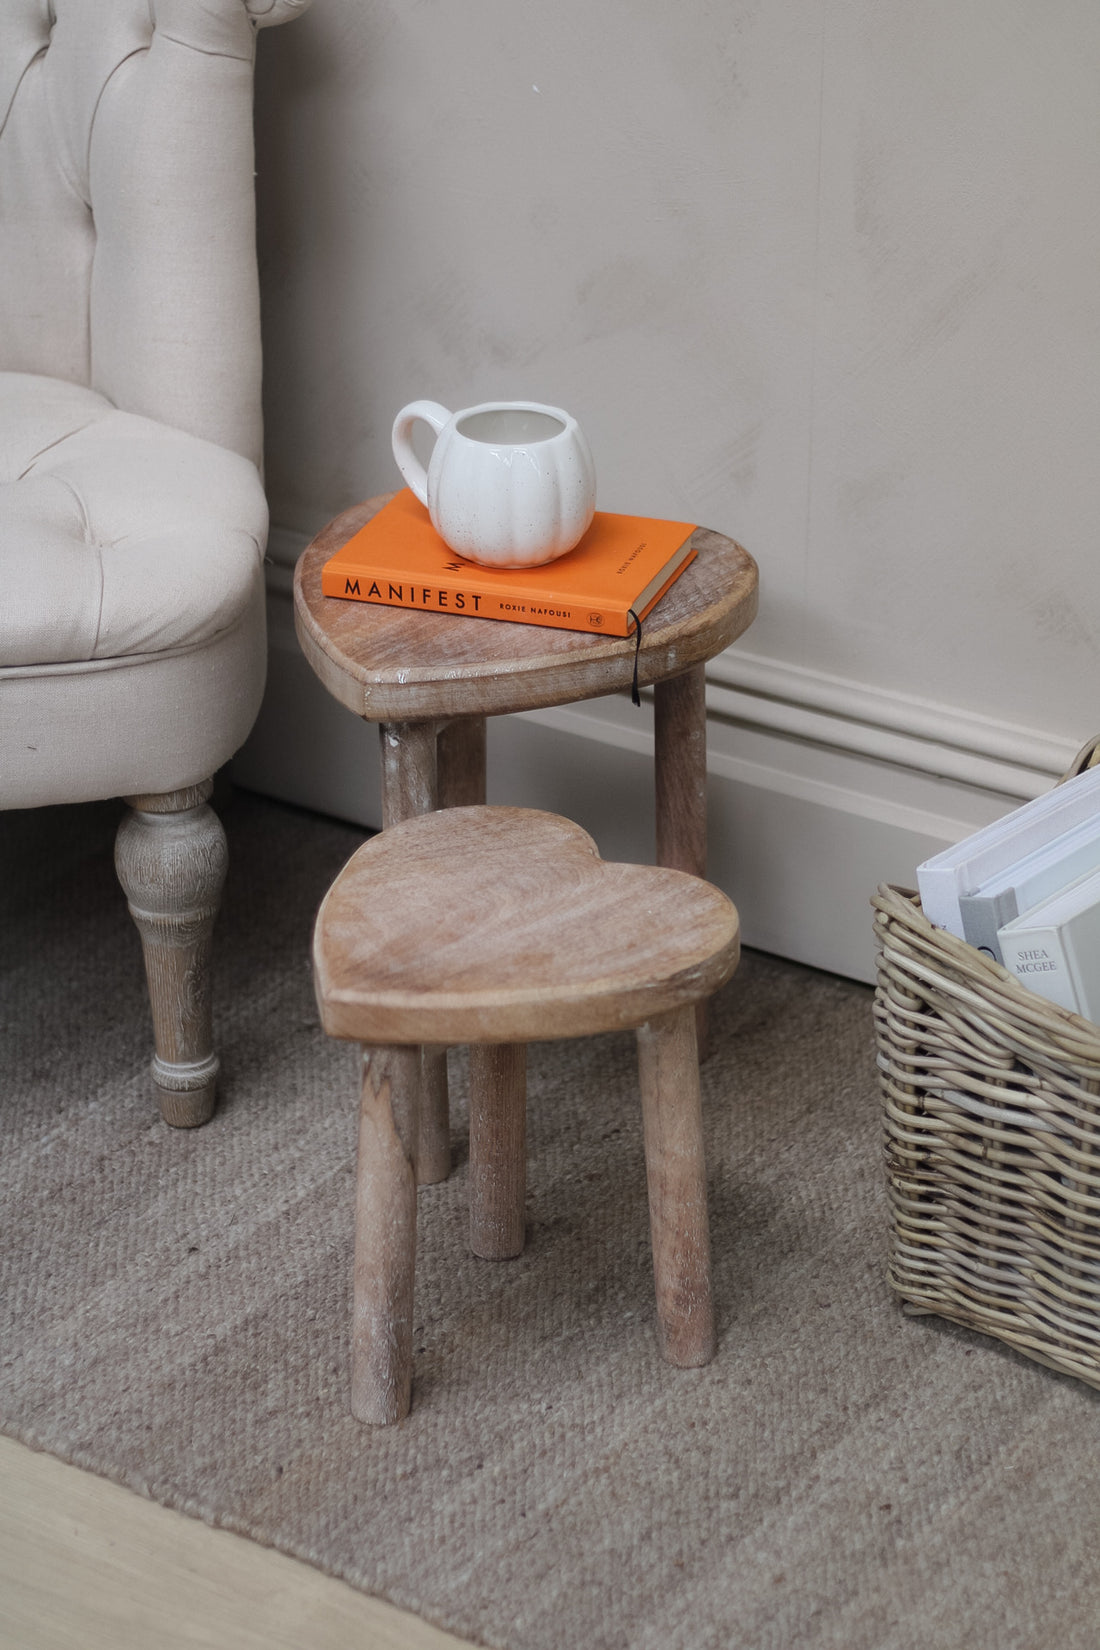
(820, 274)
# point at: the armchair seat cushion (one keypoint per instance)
(120, 537)
(132, 634)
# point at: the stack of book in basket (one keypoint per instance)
(991, 1089)
(1026, 892)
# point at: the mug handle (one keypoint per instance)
(407, 462)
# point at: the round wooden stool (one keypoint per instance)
(495, 927)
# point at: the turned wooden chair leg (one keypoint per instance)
(170, 855)
(676, 1174)
(498, 1149)
(385, 1235)
(680, 778)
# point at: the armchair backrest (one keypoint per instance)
(127, 215)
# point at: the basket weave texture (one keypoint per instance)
(992, 1125)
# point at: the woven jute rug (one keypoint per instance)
(174, 1313)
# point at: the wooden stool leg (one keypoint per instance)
(410, 786)
(410, 773)
(428, 765)
(385, 1235)
(433, 1155)
(680, 761)
(462, 763)
(496, 1230)
(680, 757)
(676, 1173)
(498, 1149)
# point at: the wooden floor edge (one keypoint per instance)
(86, 1563)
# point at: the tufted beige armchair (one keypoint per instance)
(132, 515)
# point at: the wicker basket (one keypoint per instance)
(992, 1103)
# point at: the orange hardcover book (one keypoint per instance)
(622, 566)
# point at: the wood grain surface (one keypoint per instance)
(504, 925)
(392, 664)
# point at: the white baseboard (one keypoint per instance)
(820, 788)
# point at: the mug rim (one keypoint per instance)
(567, 421)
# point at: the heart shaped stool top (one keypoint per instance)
(503, 925)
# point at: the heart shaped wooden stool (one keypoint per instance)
(497, 927)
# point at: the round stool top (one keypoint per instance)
(497, 925)
(390, 664)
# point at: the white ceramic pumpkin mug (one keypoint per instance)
(508, 484)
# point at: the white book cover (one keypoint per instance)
(1054, 948)
(964, 867)
(1029, 881)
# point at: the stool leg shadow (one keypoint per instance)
(498, 1149)
(672, 1121)
(385, 1235)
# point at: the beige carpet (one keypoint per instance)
(174, 1314)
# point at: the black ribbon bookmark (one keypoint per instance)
(635, 696)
